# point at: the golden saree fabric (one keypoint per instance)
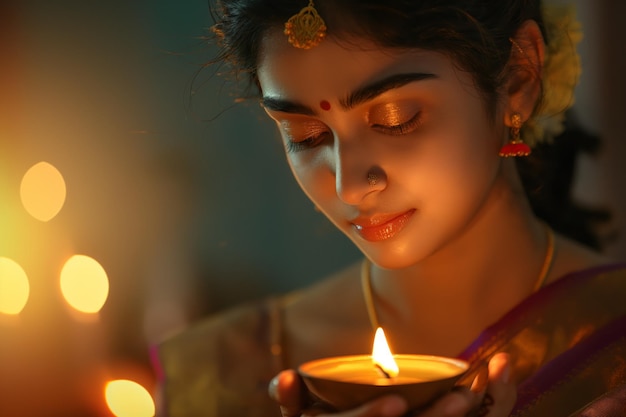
(567, 343)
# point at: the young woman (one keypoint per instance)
(408, 124)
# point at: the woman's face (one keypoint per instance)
(396, 148)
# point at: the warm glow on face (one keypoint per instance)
(84, 284)
(128, 399)
(14, 288)
(381, 354)
(43, 191)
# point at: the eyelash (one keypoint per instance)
(308, 143)
(403, 128)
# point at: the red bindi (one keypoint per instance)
(325, 105)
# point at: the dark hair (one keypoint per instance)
(548, 176)
(476, 34)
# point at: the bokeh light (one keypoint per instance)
(14, 287)
(128, 399)
(43, 191)
(84, 284)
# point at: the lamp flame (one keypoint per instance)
(381, 355)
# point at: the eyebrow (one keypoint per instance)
(286, 106)
(375, 89)
(358, 96)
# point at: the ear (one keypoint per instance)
(523, 87)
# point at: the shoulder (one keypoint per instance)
(220, 365)
(238, 328)
(597, 279)
(572, 258)
(331, 309)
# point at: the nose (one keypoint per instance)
(357, 172)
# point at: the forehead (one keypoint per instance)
(334, 67)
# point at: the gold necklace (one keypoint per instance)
(366, 284)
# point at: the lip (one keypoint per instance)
(381, 227)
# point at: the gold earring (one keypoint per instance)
(306, 28)
(515, 147)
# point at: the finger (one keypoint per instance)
(501, 392)
(286, 389)
(479, 384)
(387, 406)
(500, 368)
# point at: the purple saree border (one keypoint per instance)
(568, 364)
(611, 403)
(515, 317)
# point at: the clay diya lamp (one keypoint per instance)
(345, 382)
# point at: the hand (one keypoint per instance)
(288, 391)
(493, 398)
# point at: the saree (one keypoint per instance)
(567, 344)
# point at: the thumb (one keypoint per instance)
(286, 389)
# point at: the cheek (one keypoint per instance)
(467, 177)
(452, 163)
(313, 176)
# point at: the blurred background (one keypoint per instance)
(122, 160)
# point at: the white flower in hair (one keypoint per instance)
(561, 72)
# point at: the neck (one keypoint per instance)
(472, 280)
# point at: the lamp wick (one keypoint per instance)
(382, 371)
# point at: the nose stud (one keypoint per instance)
(372, 179)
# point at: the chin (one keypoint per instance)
(389, 256)
(392, 262)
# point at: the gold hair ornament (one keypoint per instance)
(560, 74)
(306, 28)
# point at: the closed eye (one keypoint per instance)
(400, 129)
(300, 135)
(307, 143)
